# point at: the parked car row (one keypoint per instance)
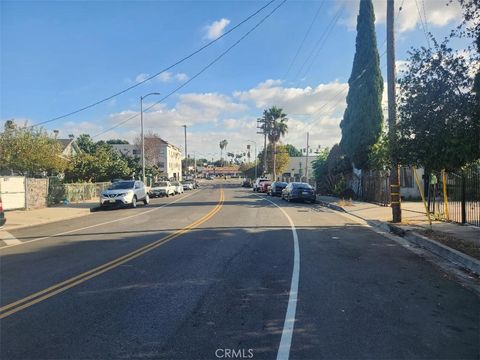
(131, 192)
(294, 191)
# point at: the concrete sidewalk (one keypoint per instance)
(17, 219)
(415, 226)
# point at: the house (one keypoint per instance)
(296, 168)
(159, 153)
(69, 148)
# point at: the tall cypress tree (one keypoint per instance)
(362, 122)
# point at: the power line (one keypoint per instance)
(324, 40)
(324, 33)
(424, 25)
(342, 91)
(198, 73)
(304, 38)
(156, 74)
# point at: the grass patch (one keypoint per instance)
(344, 202)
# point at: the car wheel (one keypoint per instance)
(134, 202)
(146, 201)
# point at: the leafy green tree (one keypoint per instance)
(470, 28)
(293, 151)
(103, 165)
(363, 118)
(117, 142)
(278, 158)
(330, 169)
(30, 151)
(248, 169)
(202, 162)
(379, 156)
(438, 127)
(319, 165)
(86, 144)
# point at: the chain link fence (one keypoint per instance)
(59, 192)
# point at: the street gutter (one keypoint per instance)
(456, 257)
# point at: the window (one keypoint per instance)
(406, 177)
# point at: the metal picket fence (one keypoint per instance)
(463, 191)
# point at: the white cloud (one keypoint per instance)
(181, 77)
(295, 100)
(216, 29)
(437, 12)
(168, 76)
(212, 117)
(141, 77)
(165, 76)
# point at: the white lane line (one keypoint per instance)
(8, 238)
(287, 333)
(95, 225)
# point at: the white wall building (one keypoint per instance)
(296, 168)
(158, 152)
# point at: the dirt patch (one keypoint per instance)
(451, 241)
(344, 202)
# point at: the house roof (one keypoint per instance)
(65, 142)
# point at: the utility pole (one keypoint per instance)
(195, 163)
(306, 161)
(142, 133)
(255, 143)
(185, 170)
(392, 115)
(263, 124)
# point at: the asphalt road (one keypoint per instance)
(209, 274)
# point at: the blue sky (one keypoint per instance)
(57, 56)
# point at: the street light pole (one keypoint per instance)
(142, 133)
(255, 144)
(186, 151)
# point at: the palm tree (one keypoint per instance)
(223, 145)
(276, 127)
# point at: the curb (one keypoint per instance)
(331, 206)
(18, 227)
(454, 256)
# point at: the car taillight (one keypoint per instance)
(1, 206)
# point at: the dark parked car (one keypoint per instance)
(276, 188)
(299, 191)
(247, 183)
(2, 214)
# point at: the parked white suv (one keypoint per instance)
(124, 192)
(256, 184)
(178, 187)
(162, 188)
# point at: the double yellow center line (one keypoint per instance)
(37, 297)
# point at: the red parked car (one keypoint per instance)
(264, 186)
(2, 215)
